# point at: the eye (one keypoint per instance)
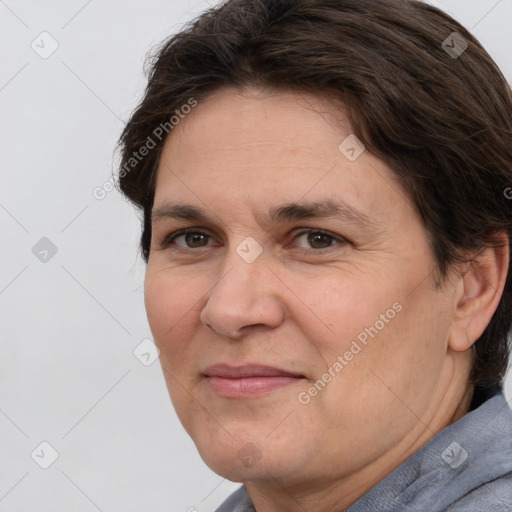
(187, 239)
(192, 238)
(315, 239)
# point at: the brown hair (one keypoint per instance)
(438, 113)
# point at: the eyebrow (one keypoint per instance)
(279, 214)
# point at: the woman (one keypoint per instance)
(327, 235)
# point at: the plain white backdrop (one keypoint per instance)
(71, 280)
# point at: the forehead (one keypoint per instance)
(250, 114)
(269, 148)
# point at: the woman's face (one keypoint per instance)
(305, 256)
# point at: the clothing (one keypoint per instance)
(467, 467)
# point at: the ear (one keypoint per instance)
(479, 293)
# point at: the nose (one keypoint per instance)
(245, 297)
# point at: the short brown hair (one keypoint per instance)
(441, 120)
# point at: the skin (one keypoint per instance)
(303, 301)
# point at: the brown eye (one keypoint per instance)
(188, 239)
(320, 240)
(317, 240)
(196, 239)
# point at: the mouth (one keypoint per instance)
(248, 380)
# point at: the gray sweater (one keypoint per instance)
(467, 467)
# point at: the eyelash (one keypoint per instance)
(170, 239)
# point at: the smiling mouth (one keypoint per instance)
(247, 381)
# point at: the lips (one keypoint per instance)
(252, 370)
(248, 380)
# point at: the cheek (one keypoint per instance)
(341, 310)
(171, 314)
(171, 306)
(393, 346)
(384, 336)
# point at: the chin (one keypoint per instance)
(244, 461)
(234, 466)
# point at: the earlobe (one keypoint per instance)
(483, 282)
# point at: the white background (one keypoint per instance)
(68, 327)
